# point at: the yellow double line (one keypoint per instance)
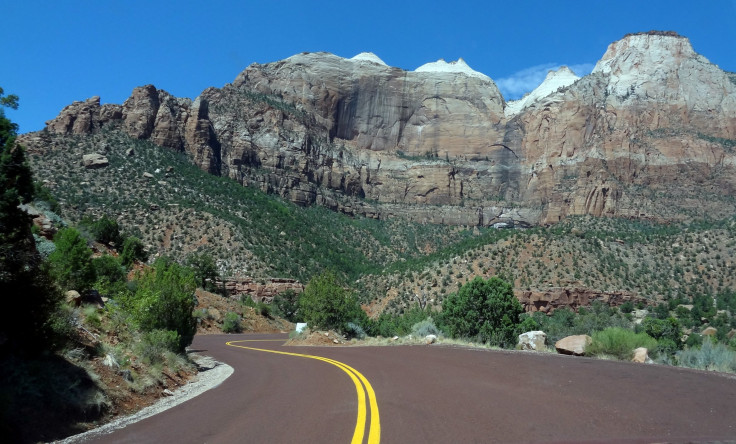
(362, 387)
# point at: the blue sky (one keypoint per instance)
(56, 52)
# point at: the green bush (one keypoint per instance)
(205, 270)
(155, 343)
(619, 342)
(627, 307)
(483, 309)
(667, 332)
(164, 300)
(286, 305)
(71, 261)
(392, 324)
(111, 276)
(263, 309)
(105, 230)
(709, 356)
(325, 304)
(231, 323)
(133, 250)
(565, 322)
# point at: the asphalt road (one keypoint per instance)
(437, 394)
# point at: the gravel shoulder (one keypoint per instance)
(211, 373)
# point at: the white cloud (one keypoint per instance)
(521, 82)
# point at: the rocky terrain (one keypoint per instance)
(650, 133)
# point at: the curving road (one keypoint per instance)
(435, 394)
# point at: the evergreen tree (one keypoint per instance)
(28, 293)
(205, 270)
(71, 262)
(327, 305)
(483, 309)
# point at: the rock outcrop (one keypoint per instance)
(648, 134)
(94, 161)
(259, 291)
(550, 299)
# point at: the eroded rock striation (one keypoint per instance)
(648, 134)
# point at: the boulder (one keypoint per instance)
(214, 314)
(532, 340)
(709, 331)
(430, 339)
(641, 355)
(731, 333)
(73, 297)
(573, 345)
(94, 161)
(148, 175)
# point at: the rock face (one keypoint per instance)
(573, 345)
(259, 291)
(648, 134)
(551, 299)
(532, 340)
(640, 119)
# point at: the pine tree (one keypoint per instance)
(29, 296)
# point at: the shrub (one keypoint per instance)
(248, 301)
(285, 304)
(666, 331)
(263, 309)
(105, 230)
(353, 330)
(110, 273)
(71, 261)
(164, 300)
(486, 309)
(619, 342)
(155, 343)
(133, 250)
(327, 305)
(709, 356)
(424, 328)
(231, 323)
(627, 307)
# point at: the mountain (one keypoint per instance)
(649, 134)
(554, 81)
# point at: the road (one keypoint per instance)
(438, 394)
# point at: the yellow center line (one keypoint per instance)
(374, 432)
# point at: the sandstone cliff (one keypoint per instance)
(649, 134)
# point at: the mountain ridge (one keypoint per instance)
(635, 138)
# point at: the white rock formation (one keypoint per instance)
(458, 66)
(552, 83)
(369, 57)
(659, 67)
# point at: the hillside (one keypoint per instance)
(181, 209)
